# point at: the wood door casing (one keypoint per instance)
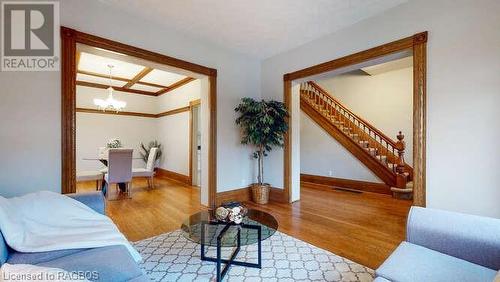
(69, 39)
(417, 44)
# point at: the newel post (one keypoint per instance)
(400, 165)
(401, 152)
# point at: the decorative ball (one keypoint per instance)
(221, 213)
(234, 213)
(236, 210)
(238, 219)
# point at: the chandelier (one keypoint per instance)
(110, 103)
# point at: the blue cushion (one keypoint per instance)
(142, 278)
(381, 279)
(4, 250)
(39, 257)
(472, 238)
(95, 200)
(411, 262)
(113, 263)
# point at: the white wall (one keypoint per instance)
(179, 97)
(30, 138)
(173, 130)
(94, 131)
(173, 134)
(321, 154)
(385, 100)
(295, 150)
(462, 87)
(30, 116)
(135, 103)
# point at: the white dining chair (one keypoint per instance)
(149, 170)
(119, 170)
(90, 175)
(103, 154)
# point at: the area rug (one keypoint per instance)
(171, 257)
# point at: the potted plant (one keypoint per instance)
(263, 124)
(146, 148)
(114, 143)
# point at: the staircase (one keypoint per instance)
(381, 154)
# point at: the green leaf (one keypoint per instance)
(263, 125)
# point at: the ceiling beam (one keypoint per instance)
(175, 85)
(138, 77)
(121, 89)
(120, 78)
(103, 75)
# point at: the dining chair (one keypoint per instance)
(90, 175)
(119, 170)
(149, 170)
(103, 154)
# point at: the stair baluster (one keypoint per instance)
(379, 146)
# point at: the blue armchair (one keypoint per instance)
(445, 246)
(112, 263)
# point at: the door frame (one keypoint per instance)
(418, 45)
(69, 39)
(192, 105)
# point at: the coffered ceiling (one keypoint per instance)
(127, 75)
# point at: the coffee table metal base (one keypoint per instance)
(231, 261)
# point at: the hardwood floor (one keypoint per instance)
(362, 227)
(151, 212)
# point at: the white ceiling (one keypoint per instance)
(389, 66)
(260, 28)
(96, 60)
(99, 64)
(162, 77)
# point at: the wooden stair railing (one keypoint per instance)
(388, 153)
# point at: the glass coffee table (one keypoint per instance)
(204, 229)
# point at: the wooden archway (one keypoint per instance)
(417, 44)
(69, 40)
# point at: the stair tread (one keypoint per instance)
(354, 132)
(402, 190)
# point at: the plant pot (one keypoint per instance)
(260, 193)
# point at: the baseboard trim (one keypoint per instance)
(160, 172)
(365, 186)
(245, 194)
